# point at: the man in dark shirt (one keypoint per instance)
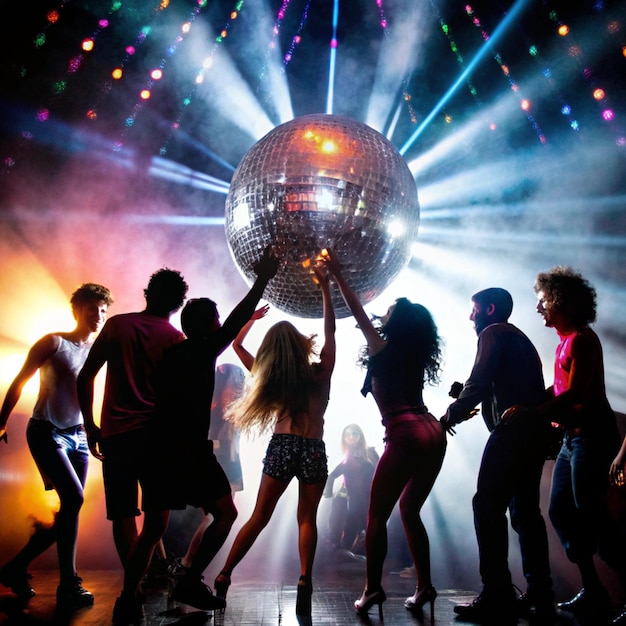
(507, 371)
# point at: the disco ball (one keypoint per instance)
(322, 181)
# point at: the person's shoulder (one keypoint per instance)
(585, 337)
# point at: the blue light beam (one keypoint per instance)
(497, 33)
(333, 60)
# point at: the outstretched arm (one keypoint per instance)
(374, 341)
(327, 354)
(265, 270)
(37, 355)
(244, 356)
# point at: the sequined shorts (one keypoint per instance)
(292, 455)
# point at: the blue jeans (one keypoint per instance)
(578, 505)
(62, 457)
(509, 478)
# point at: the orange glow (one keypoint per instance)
(145, 94)
(525, 104)
(598, 94)
(53, 16)
(156, 74)
(117, 73)
(563, 30)
(88, 45)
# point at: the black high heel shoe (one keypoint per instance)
(221, 584)
(421, 596)
(303, 597)
(368, 600)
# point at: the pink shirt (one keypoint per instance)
(563, 363)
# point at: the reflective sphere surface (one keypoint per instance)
(322, 181)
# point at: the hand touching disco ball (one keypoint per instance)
(323, 181)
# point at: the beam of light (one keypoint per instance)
(485, 49)
(399, 50)
(262, 41)
(333, 59)
(202, 148)
(237, 105)
(469, 133)
(577, 206)
(87, 217)
(503, 239)
(181, 174)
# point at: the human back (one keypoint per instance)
(283, 364)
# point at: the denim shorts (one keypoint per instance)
(45, 441)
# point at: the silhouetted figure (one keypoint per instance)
(289, 393)
(131, 345)
(348, 513)
(57, 440)
(183, 469)
(229, 384)
(401, 358)
(230, 381)
(507, 370)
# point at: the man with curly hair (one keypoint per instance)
(578, 404)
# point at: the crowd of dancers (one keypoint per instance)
(155, 432)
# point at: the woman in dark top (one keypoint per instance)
(403, 356)
(349, 506)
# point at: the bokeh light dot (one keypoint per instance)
(608, 115)
(563, 30)
(598, 94)
(117, 73)
(145, 94)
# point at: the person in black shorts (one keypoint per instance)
(289, 394)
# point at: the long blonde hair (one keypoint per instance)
(282, 381)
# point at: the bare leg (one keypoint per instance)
(270, 491)
(214, 536)
(195, 541)
(308, 503)
(124, 537)
(154, 526)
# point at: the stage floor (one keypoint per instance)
(251, 601)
